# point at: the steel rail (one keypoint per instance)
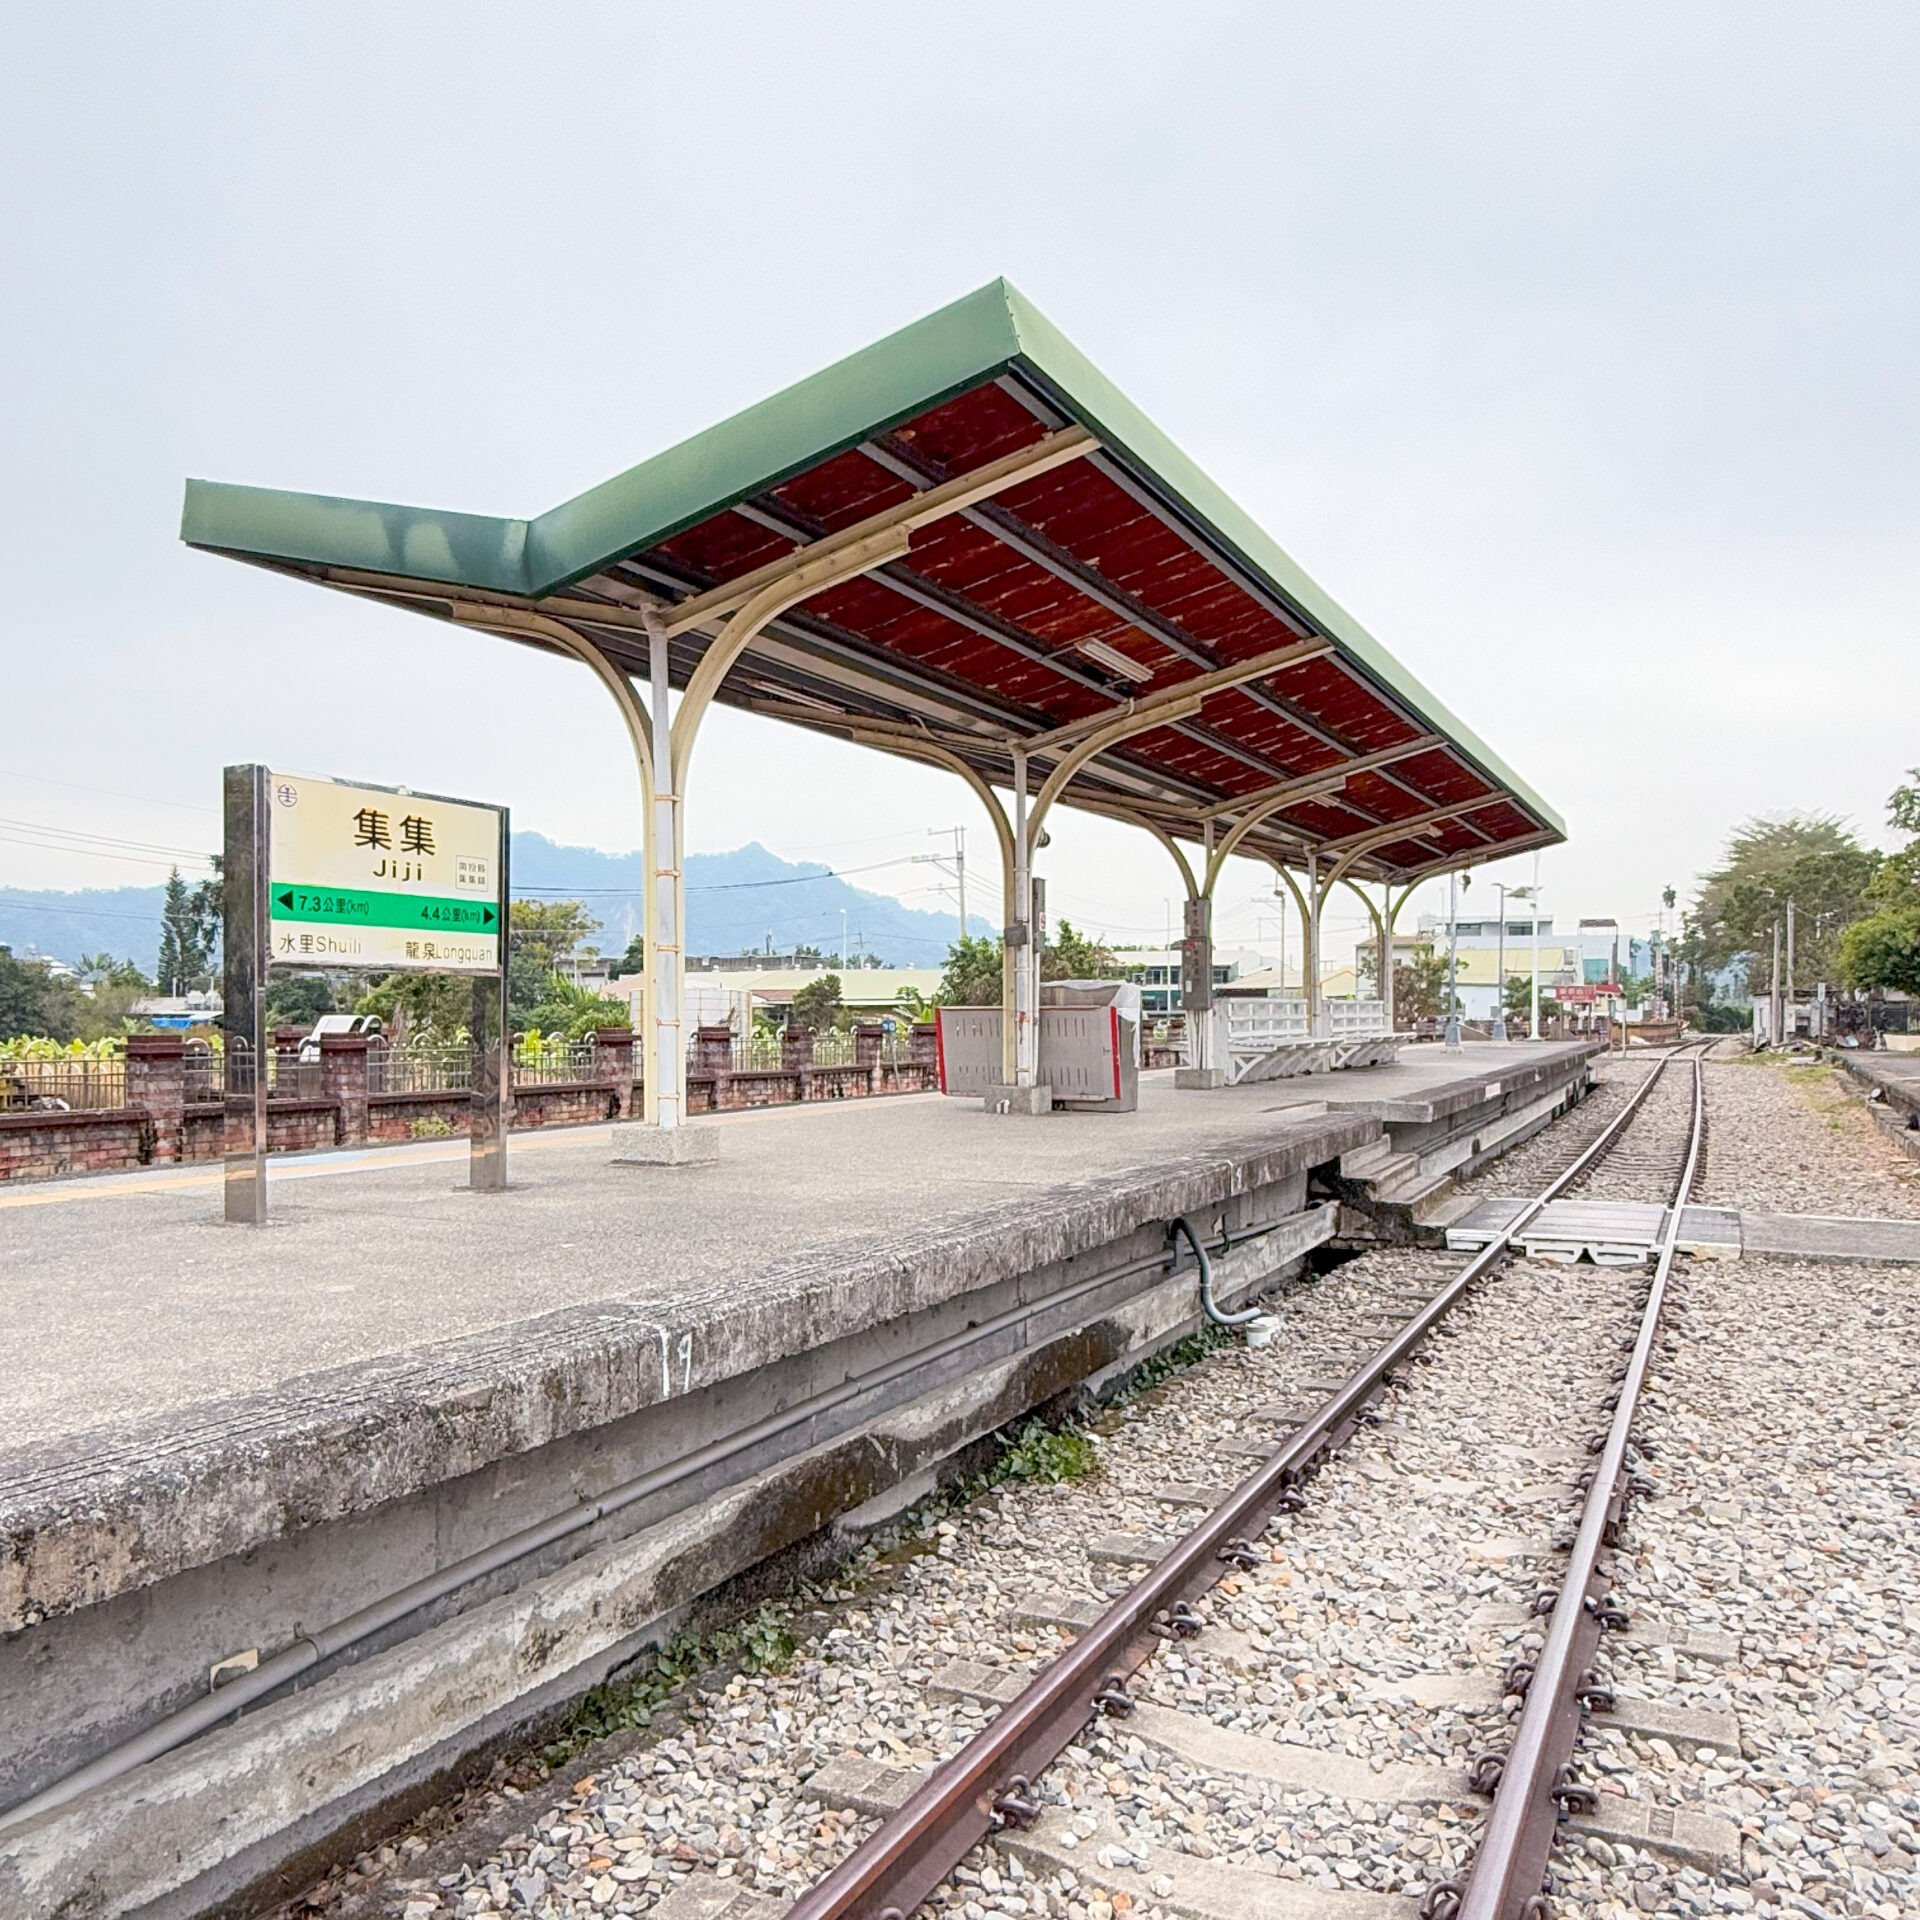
(1534, 1787)
(984, 1785)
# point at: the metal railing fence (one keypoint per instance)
(88, 1084)
(78, 1085)
(425, 1069)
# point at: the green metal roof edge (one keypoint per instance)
(974, 338)
(464, 549)
(882, 385)
(1104, 408)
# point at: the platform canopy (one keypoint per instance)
(975, 549)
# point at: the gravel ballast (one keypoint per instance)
(1377, 1631)
(1798, 1139)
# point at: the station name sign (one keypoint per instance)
(374, 877)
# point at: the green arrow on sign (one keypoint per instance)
(353, 907)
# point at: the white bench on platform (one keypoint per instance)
(1271, 1039)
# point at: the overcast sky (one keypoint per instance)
(1574, 353)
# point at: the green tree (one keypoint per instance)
(972, 974)
(1073, 956)
(185, 962)
(427, 1007)
(36, 1002)
(817, 1004)
(633, 960)
(208, 906)
(298, 999)
(551, 929)
(1883, 950)
(1897, 883)
(1518, 1000)
(1420, 985)
(1810, 859)
(575, 1011)
(545, 935)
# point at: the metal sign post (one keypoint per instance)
(243, 992)
(323, 874)
(492, 1059)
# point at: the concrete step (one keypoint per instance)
(1451, 1207)
(1363, 1162)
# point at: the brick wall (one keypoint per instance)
(42, 1146)
(165, 1128)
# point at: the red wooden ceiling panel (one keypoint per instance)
(842, 491)
(1078, 509)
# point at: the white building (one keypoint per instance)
(1588, 956)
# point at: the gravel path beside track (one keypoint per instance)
(1788, 1464)
(1786, 1139)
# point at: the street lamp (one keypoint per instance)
(1531, 895)
(1500, 968)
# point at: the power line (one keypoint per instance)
(79, 913)
(717, 886)
(139, 799)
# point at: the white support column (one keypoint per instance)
(1199, 932)
(666, 1067)
(1026, 1053)
(1023, 1091)
(1386, 952)
(1311, 959)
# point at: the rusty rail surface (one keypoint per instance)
(1533, 1784)
(985, 1785)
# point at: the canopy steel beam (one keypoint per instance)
(936, 503)
(1308, 786)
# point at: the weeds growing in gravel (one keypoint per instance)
(1044, 1455)
(1177, 1358)
(1037, 1455)
(761, 1643)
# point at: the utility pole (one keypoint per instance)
(954, 863)
(1531, 895)
(1533, 997)
(1788, 1008)
(1453, 958)
(1773, 992)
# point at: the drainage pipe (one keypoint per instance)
(1246, 1317)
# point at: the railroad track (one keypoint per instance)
(1125, 1678)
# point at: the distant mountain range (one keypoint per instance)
(737, 902)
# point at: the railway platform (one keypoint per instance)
(224, 1441)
